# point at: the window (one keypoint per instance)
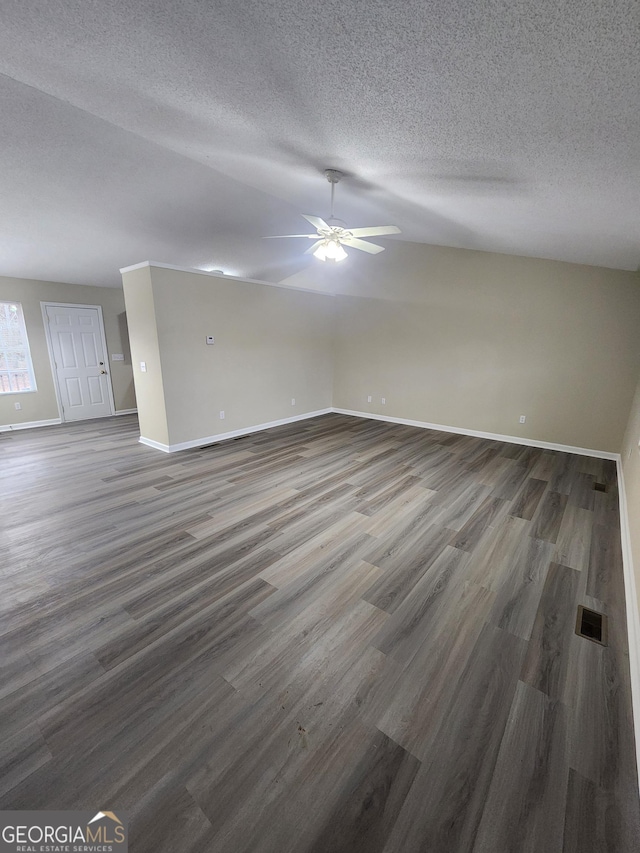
(16, 370)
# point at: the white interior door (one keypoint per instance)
(80, 362)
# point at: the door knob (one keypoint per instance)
(103, 371)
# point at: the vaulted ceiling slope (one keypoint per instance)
(184, 132)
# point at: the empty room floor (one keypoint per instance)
(335, 636)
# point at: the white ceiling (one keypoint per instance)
(184, 132)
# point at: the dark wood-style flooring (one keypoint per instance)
(339, 636)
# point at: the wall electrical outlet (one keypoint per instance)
(523, 419)
(18, 406)
(210, 340)
(221, 416)
(369, 398)
(383, 401)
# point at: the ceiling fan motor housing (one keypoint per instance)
(333, 175)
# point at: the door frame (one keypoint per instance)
(52, 363)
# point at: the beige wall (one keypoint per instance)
(473, 340)
(271, 344)
(41, 405)
(631, 473)
(141, 318)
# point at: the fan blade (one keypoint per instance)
(363, 245)
(313, 247)
(375, 231)
(286, 236)
(317, 222)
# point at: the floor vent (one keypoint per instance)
(600, 487)
(592, 625)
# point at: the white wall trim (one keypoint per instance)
(493, 436)
(633, 614)
(144, 264)
(211, 439)
(53, 422)
(222, 436)
(155, 444)
(141, 266)
(30, 425)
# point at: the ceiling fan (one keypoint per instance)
(333, 235)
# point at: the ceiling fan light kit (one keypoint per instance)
(332, 235)
(330, 250)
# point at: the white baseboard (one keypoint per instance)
(493, 436)
(633, 615)
(211, 439)
(51, 422)
(222, 436)
(155, 444)
(29, 425)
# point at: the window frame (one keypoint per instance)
(27, 346)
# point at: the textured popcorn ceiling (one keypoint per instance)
(184, 132)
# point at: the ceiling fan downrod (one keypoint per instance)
(333, 176)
